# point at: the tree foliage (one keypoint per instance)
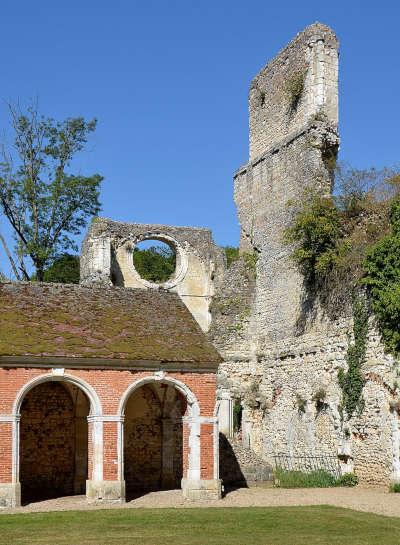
(315, 232)
(46, 204)
(155, 264)
(331, 236)
(64, 269)
(353, 238)
(231, 254)
(382, 276)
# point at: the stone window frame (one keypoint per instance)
(181, 259)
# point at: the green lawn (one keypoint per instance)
(321, 525)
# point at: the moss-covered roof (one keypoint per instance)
(71, 321)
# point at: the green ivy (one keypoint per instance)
(382, 276)
(352, 381)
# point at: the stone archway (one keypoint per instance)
(153, 438)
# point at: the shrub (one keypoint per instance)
(316, 232)
(231, 254)
(348, 479)
(301, 403)
(382, 276)
(300, 479)
(314, 479)
(395, 487)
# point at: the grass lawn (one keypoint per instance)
(319, 525)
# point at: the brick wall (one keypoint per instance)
(110, 386)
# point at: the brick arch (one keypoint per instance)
(193, 404)
(192, 422)
(95, 403)
(95, 433)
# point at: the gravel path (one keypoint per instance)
(374, 500)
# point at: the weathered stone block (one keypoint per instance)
(202, 490)
(105, 491)
(10, 495)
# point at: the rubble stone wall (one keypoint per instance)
(284, 351)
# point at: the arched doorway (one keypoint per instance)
(53, 442)
(153, 438)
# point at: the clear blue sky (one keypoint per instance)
(168, 82)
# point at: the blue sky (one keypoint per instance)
(168, 82)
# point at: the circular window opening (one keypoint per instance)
(154, 260)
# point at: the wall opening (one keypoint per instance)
(155, 260)
(237, 416)
(53, 441)
(153, 439)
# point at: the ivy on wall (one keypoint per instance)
(352, 381)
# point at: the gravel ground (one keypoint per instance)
(374, 500)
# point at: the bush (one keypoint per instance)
(348, 479)
(316, 232)
(231, 254)
(382, 274)
(300, 479)
(395, 487)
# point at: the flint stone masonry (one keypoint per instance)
(107, 260)
(278, 354)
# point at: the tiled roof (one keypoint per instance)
(72, 321)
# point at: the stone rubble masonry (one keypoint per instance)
(270, 345)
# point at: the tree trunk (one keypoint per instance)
(8, 253)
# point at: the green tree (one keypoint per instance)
(64, 269)
(45, 204)
(155, 264)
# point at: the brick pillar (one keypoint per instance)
(106, 483)
(10, 488)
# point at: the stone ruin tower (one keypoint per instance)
(281, 352)
(293, 107)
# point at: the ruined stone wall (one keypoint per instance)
(107, 258)
(298, 84)
(293, 146)
(289, 374)
(288, 349)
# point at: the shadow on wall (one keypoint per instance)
(230, 471)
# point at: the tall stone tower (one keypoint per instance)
(293, 108)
